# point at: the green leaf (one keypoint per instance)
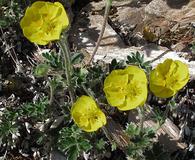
(36, 111)
(139, 143)
(100, 144)
(132, 129)
(138, 59)
(41, 70)
(193, 48)
(113, 146)
(3, 23)
(77, 58)
(72, 141)
(116, 65)
(85, 145)
(53, 59)
(73, 153)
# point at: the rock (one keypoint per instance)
(85, 32)
(57, 155)
(158, 8)
(149, 53)
(169, 23)
(129, 16)
(128, 21)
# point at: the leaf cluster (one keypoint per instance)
(140, 141)
(35, 111)
(73, 142)
(10, 12)
(10, 119)
(138, 59)
(8, 126)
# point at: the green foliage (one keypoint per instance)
(138, 59)
(77, 58)
(57, 81)
(96, 76)
(139, 141)
(41, 70)
(157, 152)
(35, 111)
(193, 48)
(56, 61)
(113, 146)
(10, 119)
(80, 76)
(53, 59)
(116, 65)
(132, 130)
(90, 79)
(172, 104)
(100, 145)
(72, 141)
(10, 12)
(8, 126)
(158, 116)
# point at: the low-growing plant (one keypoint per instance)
(140, 142)
(93, 94)
(10, 12)
(73, 142)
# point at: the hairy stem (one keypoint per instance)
(160, 56)
(67, 64)
(142, 119)
(51, 94)
(106, 14)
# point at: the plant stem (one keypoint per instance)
(142, 119)
(160, 56)
(67, 64)
(51, 94)
(88, 92)
(106, 14)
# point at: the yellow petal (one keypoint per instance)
(136, 73)
(49, 11)
(116, 78)
(36, 37)
(45, 19)
(53, 33)
(182, 71)
(115, 87)
(63, 18)
(168, 77)
(115, 98)
(127, 88)
(97, 122)
(156, 78)
(162, 92)
(163, 68)
(87, 115)
(136, 98)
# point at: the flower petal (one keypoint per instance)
(168, 78)
(87, 115)
(44, 21)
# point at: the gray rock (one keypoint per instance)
(57, 155)
(130, 18)
(85, 32)
(158, 8)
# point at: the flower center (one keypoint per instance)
(133, 90)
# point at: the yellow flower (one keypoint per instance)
(44, 21)
(126, 88)
(168, 78)
(87, 115)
